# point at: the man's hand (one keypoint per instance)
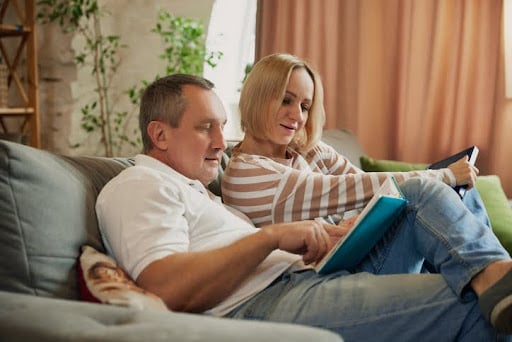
(464, 172)
(311, 239)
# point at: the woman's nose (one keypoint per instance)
(297, 114)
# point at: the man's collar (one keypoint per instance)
(155, 164)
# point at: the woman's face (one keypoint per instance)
(294, 110)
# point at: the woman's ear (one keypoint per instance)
(158, 131)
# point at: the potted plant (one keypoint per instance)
(184, 51)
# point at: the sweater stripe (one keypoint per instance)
(318, 183)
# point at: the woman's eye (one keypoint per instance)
(305, 108)
(287, 101)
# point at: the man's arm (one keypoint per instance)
(197, 281)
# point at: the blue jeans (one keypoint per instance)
(474, 203)
(386, 297)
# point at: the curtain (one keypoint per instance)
(415, 80)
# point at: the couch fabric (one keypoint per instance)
(46, 215)
(33, 318)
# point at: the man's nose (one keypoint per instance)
(218, 140)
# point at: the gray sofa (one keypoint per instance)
(46, 215)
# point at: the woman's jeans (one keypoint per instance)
(387, 297)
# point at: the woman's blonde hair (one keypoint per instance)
(263, 93)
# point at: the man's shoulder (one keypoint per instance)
(137, 180)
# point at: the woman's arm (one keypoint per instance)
(319, 183)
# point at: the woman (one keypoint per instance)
(282, 172)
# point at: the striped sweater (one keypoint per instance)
(305, 186)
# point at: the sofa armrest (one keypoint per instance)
(31, 318)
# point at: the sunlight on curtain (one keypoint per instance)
(231, 31)
(507, 22)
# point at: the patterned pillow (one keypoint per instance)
(101, 280)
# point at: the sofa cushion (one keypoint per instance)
(498, 208)
(101, 280)
(29, 318)
(46, 213)
(369, 164)
(344, 142)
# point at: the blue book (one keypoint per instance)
(471, 152)
(371, 224)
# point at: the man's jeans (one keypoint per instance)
(387, 297)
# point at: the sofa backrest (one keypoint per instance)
(46, 214)
(344, 142)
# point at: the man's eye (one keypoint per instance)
(205, 127)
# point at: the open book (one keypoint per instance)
(371, 224)
(471, 152)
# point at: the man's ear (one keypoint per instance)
(158, 131)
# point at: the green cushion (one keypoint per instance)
(489, 188)
(382, 165)
(498, 208)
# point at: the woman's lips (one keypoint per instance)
(290, 128)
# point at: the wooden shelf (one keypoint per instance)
(13, 30)
(17, 111)
(19, 54)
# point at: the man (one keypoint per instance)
(180, 242)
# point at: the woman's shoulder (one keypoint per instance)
(320, 150)
(245, 161)
(238, 156)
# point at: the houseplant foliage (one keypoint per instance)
(184, 48)
(184, 51)
(100, 53)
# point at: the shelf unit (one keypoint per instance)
(19, 55)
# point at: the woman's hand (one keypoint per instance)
(464, 172)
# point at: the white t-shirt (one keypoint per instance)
(150, 211)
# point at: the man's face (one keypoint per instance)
(195, 147)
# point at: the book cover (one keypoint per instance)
(471, 152)
(371, 224)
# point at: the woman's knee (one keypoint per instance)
(420, 187)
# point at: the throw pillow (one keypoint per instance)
(101, 280)
(498, 208)
(369, 164)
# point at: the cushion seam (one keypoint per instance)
(18, 222)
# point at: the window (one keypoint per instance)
(232, 31)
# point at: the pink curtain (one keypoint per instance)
(415, 80)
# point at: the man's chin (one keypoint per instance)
(209, 178)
